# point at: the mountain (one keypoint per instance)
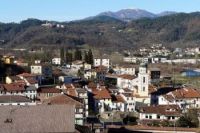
(132, 14)
(106, 33)
(129, 14)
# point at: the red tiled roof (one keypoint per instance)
(26, 75)
(119, 99)
(63, 99)
(102, 93)
(31, 80)
(162, 110)
(127, 76)
(49, 90)
(182, 94)
(14, 87)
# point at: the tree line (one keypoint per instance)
(68, 56)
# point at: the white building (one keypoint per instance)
(56, 61)
(185, 97)
(101, 62)
(159, 113)
(125, 69)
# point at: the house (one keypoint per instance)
(184, 97)
(102, 98)
(15, 100)
(56, 61)
(159, 113)
(78, 64)
(77, 92)
(8, 59)
(119, 103)
(154, 74)
(42, 69)
(124, 69)
(101, 62)
(63, 99)
(47, 92)
(100, 73)
(130, 59)
(19, 89)
(30, 79)
(38, 119)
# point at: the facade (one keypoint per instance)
(56, 61)
(124, 70)
(159, 113)
(101, 62)
(39, 69)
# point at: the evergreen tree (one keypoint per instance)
(62, 55)
(86, 57)
(69, 57)
(90, 57)
(77, 55)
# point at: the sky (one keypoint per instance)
(66, 10)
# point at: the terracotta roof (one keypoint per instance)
(63, 99)
(31, 80)
(118, 98)
(26, 75)
(162, 110)
(13, 99)
(102, 93)
(127, 76)
(182, 93)
(14, 87)
(71, 90)
(101, 68)
(48, 90)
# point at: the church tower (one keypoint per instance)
(143, 80)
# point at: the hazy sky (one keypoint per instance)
(65, 10)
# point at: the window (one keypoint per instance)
(158, 116)
(143, 88)
(146, 117)
(143, 79)
(173, 117)
(150, 117)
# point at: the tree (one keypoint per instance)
(190, 119)
(90, 57)
(62, 55)
(69, 57)
(77, 55)
(86, 56)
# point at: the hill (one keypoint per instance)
(106, 33)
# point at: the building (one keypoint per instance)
(125, 69)
(15, 100)
(38, 119)
(101, 62)
(159, 113)
(45, 70)
(56, 61)
(44, 93)
(154, 74)
(184, 97)
(63, 99)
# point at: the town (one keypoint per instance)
(150, 89)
